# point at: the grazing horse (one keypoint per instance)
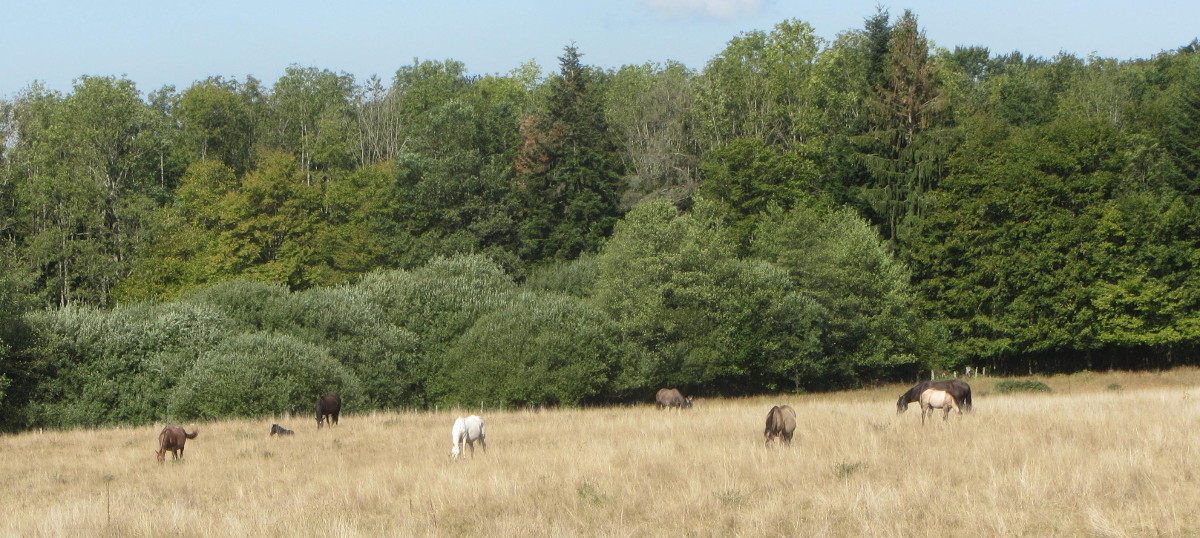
(328, 406)
(781, 422)
(938, 399)
(172, 438)
(465, 432)
(277, 429)
(957, 388)
(672, 398)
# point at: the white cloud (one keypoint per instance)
(717, 9)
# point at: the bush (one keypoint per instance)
(543, 349)
(1021, 385)
(356, 333)
(252, 304)
(104, 367)
(258, 374)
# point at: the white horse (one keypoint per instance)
(465, 432)
(938, 399)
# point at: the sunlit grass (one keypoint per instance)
(1083, 459)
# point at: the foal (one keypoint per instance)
(938, 399)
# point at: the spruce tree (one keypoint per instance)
(568, 170)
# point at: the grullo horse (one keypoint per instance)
(172, 438)
(672, 398)
(781, 422)
(956, 387)
(280, 430)
(938, 399)
(464, 433)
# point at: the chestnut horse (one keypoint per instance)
(172, 438)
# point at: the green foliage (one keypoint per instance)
(870, 328)
(1020, 385)
(653, 109)
(259, 374)
(749, 176)
(217, 123)
(569, 169)
(542, 349)
(1036, 212)
(759, 88)
(704, 318)
(576, 277)
(355, 332)
(98, 367)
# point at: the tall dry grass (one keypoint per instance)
(1083, 460)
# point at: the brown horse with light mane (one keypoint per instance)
(172, 438)
(781, 422)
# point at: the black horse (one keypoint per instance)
(956, 387)
(328, 406)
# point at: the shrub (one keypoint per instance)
(1021, 385)
(547, 349)
(257, 374)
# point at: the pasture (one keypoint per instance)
(1089, 458)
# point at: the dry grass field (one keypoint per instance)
(1088, 459)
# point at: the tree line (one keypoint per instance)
(799, 214)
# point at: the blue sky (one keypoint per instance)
(160, 42)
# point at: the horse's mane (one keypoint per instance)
(914, 394)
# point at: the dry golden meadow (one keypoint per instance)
(1089, 459)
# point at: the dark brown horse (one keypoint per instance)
(956, 387)
(280, 430)
(672, 398)
(328, 406)
(172, 438)
(781, 423)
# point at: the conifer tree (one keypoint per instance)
(568, 169)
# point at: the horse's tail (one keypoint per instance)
(964, 396)
(191, 435)
(774, 418)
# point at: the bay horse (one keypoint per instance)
(172, 438)
(328, 407)
(938, 399)
(280, 430)
(465, 432)
(956, 387)
(781, 422)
